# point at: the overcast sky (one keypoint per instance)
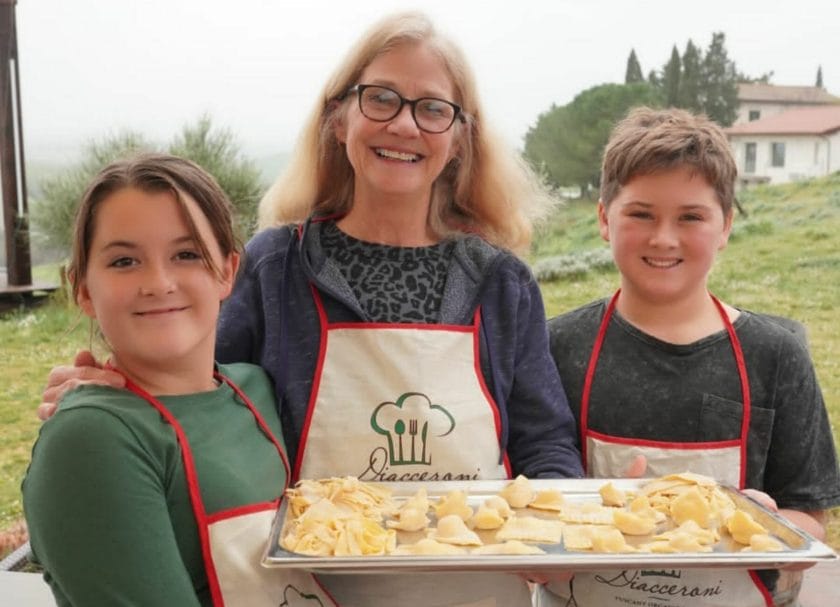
(90, 68)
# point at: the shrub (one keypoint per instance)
(214, 150)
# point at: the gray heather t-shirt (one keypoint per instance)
(392, 284)
(649, 389)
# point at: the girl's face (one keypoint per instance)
(395, 159)
(665, 230)
(146, 283)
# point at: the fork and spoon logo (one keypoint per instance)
(389, 419)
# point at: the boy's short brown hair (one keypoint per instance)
(648, 141)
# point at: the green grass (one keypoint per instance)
(33, 342)
(783, 259)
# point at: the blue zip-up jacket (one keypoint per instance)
(271, 320)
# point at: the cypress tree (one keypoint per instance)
(819, 77)
(719, 82)
(689, 95)
(634, 69)
(671, 76)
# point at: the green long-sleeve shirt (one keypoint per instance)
(106, 498)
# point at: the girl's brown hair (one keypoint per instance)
(154, 173)
(648, 141)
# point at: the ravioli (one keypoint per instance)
(691, 505)
(742, 527)
(454, 502)
(500, 505)
(548, 499)
(587, 512)
(451, 529)
(531, 529)
(611, 496)
(486, 518)
(609, 539)
(409, 519)
(631, 523)
(518, 493)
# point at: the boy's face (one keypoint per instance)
(665, 230)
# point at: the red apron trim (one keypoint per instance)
(222, 515)
(739, 361)
(494, 406)
(590, 374)
(765, 593)
(745, 386)
(324, 589)
(398, 325)
(316, 382)
(197, 503)
(192, 485)
(325, 325)
(662, 444)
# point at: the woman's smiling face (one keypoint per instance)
(395, 159)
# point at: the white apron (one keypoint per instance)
(233, 541)
(405, 402)
(606, 456)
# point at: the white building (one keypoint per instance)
(757, 101)
(788, 146)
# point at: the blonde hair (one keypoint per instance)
(648, 141)
(487, 188)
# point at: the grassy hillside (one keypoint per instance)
(783, 258)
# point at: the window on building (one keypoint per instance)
(816, 152)
(754, 115)
(777, 154)
(749, 158)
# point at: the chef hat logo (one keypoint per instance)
(408, 423)
(292, 597)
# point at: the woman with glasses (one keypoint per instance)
(405, 341)
(389, 281)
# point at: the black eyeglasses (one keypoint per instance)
(381, 104)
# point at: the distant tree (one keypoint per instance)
(633, 73)
(763, 79)
(567, 142)
(218, 153)
(54, 210)
(690, 95)
(215, 150)
(719, 82)
(671, 76)
(819, 77)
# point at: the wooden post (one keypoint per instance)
(13, 186)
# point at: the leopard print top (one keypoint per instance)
(392, 284)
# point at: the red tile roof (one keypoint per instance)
(775, 93)
(822, 120)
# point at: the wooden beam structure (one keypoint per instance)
(12, 180)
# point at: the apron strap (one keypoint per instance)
(191, 474)
(739, 362)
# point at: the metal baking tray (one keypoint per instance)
(802, 548)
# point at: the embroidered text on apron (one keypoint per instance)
(232, 541)
(606, 456)
(400, 402)
(405, 402)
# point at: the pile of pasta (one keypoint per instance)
(677, 513)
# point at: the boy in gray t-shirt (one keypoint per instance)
(666, 375)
